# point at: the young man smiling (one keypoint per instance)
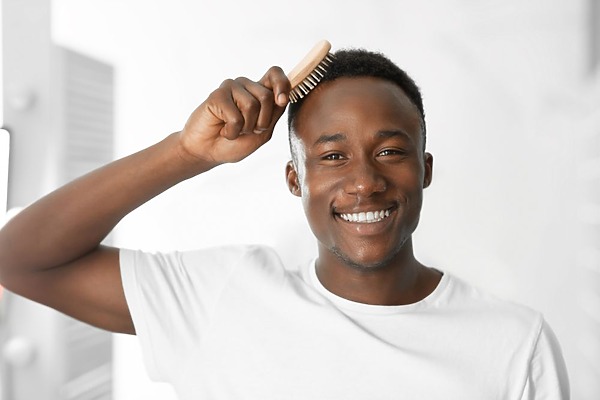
(363, 320)
(360, 167)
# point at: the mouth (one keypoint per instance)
(366, 217)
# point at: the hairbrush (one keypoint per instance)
(308, 73)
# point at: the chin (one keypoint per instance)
(378, 260)
(363, 264)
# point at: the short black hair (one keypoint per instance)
(364, 63)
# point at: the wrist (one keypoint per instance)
(193, 163)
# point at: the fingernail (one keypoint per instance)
(282, 99)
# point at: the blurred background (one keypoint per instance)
(512, 95)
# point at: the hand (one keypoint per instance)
(236, 119)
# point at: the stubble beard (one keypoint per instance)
(372, 267)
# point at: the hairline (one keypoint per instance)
(292, 123)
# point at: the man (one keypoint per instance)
(365, 320)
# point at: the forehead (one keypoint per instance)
(357, 104)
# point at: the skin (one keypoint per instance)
(359, 148)
(51, 251)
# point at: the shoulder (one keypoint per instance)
(207, 264)
(219, 255)
(505, 330)
(464, 294)
(504, 316)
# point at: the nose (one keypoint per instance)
(364, 180)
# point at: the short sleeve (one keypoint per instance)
(547, 376)
(171, 297)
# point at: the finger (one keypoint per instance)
(265, 99)
(223, 107)
(241, 147)
(276, 80)
(246, 103)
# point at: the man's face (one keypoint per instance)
(360, 169)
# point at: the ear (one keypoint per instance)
(428, 164)
(292, 179)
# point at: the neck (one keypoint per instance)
(401, 280)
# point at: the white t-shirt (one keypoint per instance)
(233, 323)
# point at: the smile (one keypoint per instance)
(368, 217)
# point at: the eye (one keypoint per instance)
(333, 157)
(391, 152)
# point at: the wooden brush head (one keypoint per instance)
(308, 72)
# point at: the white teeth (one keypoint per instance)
(366, 217)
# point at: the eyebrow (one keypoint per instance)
(336, 137)
(339, 137)
(393, 133)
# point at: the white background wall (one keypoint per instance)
(505, 90)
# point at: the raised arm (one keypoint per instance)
(51, 253)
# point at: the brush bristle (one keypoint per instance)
(311, 80)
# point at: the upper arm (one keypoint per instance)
(547, 376)
(88, 289)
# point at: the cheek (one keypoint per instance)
(320, 187)
(304, 188)
(311, 196)
(316, 214)
(410, 178)
(412, 188)
(318, 192)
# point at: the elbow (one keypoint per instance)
(7, 277)
(4, 262)
(9, 263)
(13, 279)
